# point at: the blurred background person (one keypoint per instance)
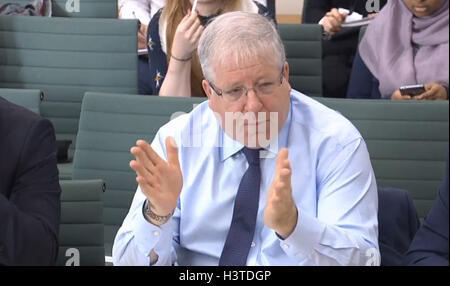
(173, 37)
(340, 44)
(430, 244)
(407, 44)
(143, 10)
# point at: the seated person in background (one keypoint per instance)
(430, 244)
(173, 38)
(338, 50)
(263, 174)
(407, 44)
(29, 188)
(143, 10)
(263, 2)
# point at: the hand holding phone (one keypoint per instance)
(412, 90)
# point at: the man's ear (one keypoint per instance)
(286, 71)
(206, 88)
(208, 91)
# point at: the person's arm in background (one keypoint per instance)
(263, 2)
(325, 13)
(430, 244)
(433, 91)
(29, 218)
(315, 10)
(178, 76)
(362, 83)
(137, 9)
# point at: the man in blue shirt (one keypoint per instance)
(316, 200)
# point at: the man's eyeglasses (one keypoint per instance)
(260, 89)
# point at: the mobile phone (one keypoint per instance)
(412, 90)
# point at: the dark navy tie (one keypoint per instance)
(240, 235)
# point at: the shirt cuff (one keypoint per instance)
(305, 237)
(150, 237)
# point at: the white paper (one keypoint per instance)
(350, 18)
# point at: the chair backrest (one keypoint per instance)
(110, 124)
(362, 32)
(305, 3)
(303, 44)
(85, 8)
(65, 58)
(78, 8)
(408, 143)
(81, 228)
(28, 98)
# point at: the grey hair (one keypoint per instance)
(239, 36)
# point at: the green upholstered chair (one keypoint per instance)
(87, 8)
(28, 98)
(110, 124)
(303, 44)
(305, 3)
(65, 57)
(78, 9)
(408, 142)
(362, 32)
(81, 228)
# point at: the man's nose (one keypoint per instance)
(253, 103)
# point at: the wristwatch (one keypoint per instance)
(148, 213)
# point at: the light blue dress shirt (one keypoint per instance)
(333, 186)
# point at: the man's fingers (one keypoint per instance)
(282, 187)
(282, 163)
(282, 156)
(144, 184)
(283, 169)
(139, 169)
(172, 152)
(142, 157)
(151, 154)
(285, 176)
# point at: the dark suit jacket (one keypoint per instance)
(430, 245)
(316, 9)
(338, 51)
(398, 222)
(29, 188)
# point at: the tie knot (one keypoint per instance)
(252, 155)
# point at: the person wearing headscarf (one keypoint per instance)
(407, 44)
